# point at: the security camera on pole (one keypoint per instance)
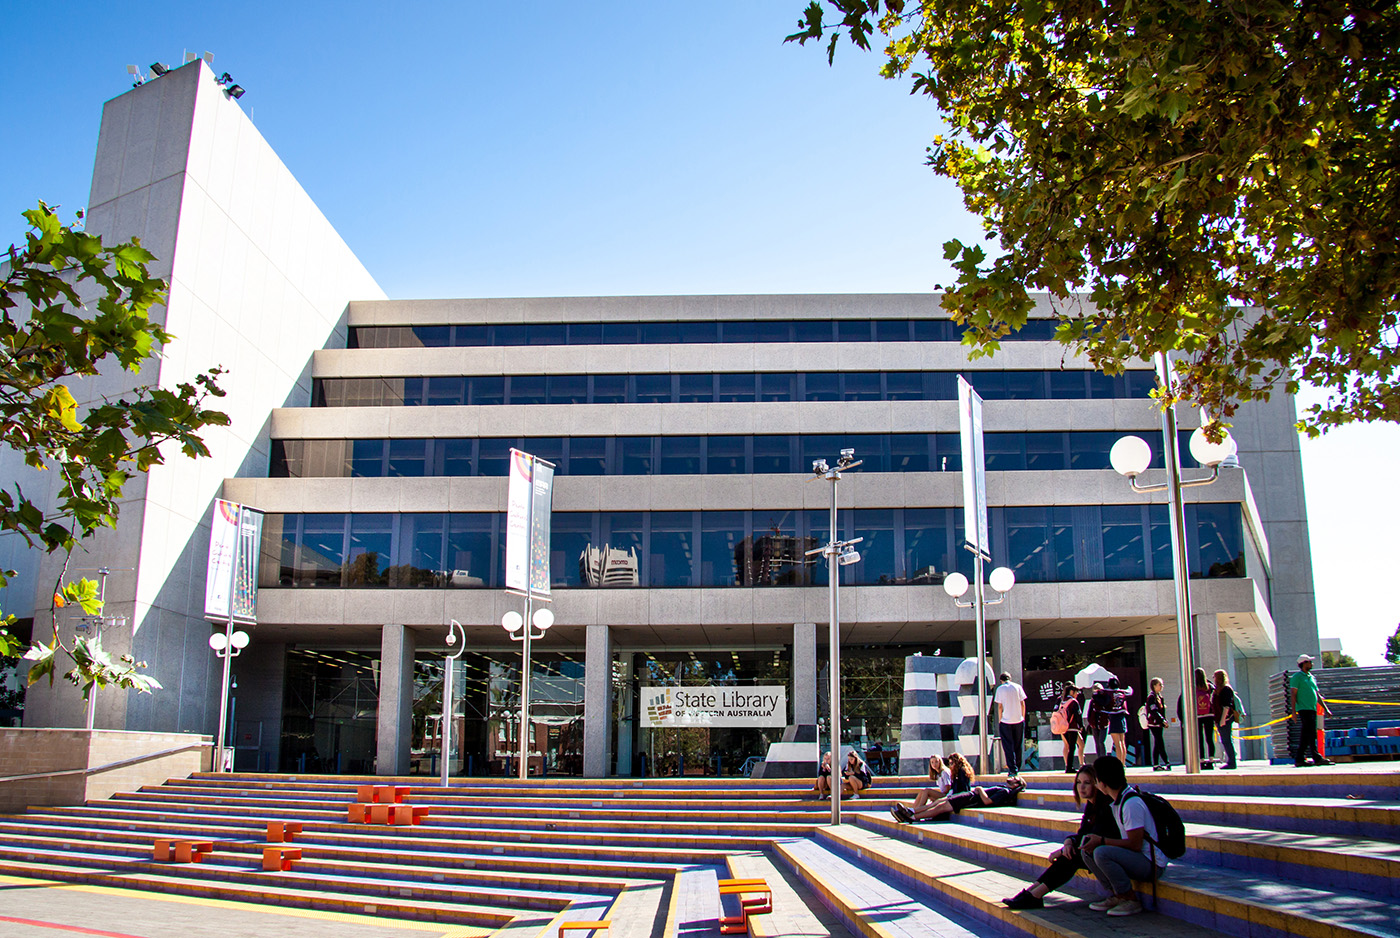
(838, 554)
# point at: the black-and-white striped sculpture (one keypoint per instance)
(940, 710)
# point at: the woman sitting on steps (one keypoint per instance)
(1067, 860)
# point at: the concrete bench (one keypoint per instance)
(282, 831)
(590, 927)
(167, 849)
(278, 858)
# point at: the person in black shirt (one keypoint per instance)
(1066, 861)
(992, 796)
(856, 774)
(1155, 710)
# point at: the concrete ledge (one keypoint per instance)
(36, 754)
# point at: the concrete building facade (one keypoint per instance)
(374, 433)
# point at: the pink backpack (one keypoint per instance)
(1059, 719)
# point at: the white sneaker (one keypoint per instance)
(1126, 907)
(1103, 905)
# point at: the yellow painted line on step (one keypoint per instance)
(452, 931)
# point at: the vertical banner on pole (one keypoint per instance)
(974, 463)
(542, 490)
(235, 547)
(518, 496)
(529, 498)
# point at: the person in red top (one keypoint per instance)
(1205, 713)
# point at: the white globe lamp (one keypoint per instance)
(1130, 456)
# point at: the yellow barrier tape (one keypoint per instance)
(1260, 727)
(1366, 703)
(1265, 736)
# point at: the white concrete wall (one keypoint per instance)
(259, 281)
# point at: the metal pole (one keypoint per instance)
(833, 575)
(227, 653)
(524, 772)
(92, 692)
(445, 732)
(1180, 576)
(979, 601)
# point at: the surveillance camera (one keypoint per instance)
(848, 454)
(819, 466)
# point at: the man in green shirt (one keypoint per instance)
(1306, 697)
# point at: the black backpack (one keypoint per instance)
(1171, 832)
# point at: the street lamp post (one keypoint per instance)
(1130, 457)
(228, 644)
(955, 585)
(449, 662)
(514, 623)
(838, 554)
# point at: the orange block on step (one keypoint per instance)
(279, 859)
(282, 831)
(379, 813)
(356, 813)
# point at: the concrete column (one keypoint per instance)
(395, 737)
(597, 700)
(804, 673)
(627, 727)
(1006, 648)
(1209, 654)
(1162, 659)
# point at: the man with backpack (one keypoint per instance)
(1142, 851)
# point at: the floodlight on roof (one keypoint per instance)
(190, 57)
(159, 68)
(234, 91)
(209, 59)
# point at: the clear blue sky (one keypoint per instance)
(475, 149)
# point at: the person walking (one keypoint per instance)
(1305, 699)
(1117, 861)
(1225, 709)
(1067, 859)
(1011, 720)
(1155, 709)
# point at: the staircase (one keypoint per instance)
(1271, 852)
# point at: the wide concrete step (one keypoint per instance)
(975, 890)
(277, 893)
(797, 909)
(503, 824)
(1371, 866)
(627, 847)
(1347, 817)
(462, 807)
(869, 904)
(1234, 901)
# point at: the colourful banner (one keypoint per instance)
(974, 469)
(235, 542)
(529, 498)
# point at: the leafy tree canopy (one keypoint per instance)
(1335, 659)
(1392, 647)
(1222, 179)
(48, 339)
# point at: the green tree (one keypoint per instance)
(1221, 179)
(1337, 659)
(1392, 647)
(47, 342)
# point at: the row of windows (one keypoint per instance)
(743, 387)
(678, 333)
(694, 455)
(437, 550)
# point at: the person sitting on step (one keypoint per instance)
(856, 774)
(1067, 859)
(821, 788)
(1117, 861)
(942, 778)
(991, 796)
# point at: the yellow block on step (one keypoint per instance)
(591, 927)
